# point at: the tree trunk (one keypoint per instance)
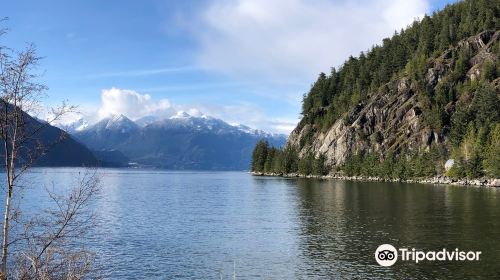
(5, 241)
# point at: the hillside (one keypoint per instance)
(51, 146)
(63, 150)
(427, 96)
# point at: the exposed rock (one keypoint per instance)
(392, 119)
(494, 183)
(438, 180)
(449, 164)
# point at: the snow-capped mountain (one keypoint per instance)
(142, 122)
(71, 127)
(184, 121)
(117, 123)
(105, 133)
(181, 141)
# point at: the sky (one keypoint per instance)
(244, 61)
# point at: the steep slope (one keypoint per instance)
(107, 133)
(425, 97)
(180, 142)
(64, 151)
(392, 119)
(51, 146)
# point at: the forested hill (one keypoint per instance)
(428, 94)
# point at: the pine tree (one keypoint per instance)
(259, 156)
(492, 154)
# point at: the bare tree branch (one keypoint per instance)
(41, 250)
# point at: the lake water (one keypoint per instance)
(212, 225)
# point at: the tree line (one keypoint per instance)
(268, 159)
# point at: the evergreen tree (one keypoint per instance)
(306, 164)
(290, 160)
(319, 166)
(492, 154)
(259, 156)
(465, 111)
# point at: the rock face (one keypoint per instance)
(392, 118)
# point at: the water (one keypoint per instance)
(211, 225)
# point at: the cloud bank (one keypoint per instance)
(294, 40)
(134, 105)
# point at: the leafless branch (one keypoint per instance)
(48, 238)
(40, 251)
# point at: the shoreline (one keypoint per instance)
(437, 180)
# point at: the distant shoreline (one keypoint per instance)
(441, 180)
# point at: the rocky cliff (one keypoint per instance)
(392, 118)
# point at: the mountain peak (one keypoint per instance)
(181, 115)
(182, 141)
(115, 122)
(119, 118)
(73, 126)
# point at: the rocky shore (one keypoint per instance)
(481, 182)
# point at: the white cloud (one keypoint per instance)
(132, 104)
(251, 115)
(294, 40)
(135, 105)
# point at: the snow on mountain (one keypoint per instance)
(181, 115)
(74, 126)
(181, 141)
(256, 132)
(117, 123)
(147, 120)
(182, 120)
(121, 123)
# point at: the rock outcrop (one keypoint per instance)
(391, 119)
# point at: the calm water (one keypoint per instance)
(197, 225)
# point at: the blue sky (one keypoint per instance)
(245, 61)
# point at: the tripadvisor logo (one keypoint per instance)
(387, 255)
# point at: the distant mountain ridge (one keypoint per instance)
(178, 142)
(49, 146)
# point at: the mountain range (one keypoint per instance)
(178, 142)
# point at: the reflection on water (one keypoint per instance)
(199, 225)
(344, 222)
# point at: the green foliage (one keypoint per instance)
(319, 166)
(488, 71)
(485, 106)
(474, 135)
(416, 66)
(466, 111)
(290, 160)
(492, 153)
(410, 49)
(462, 64)
(268, 165)
(268, 159)
(422, 164)
(310, 165)
(306, 164)
(259, 156)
